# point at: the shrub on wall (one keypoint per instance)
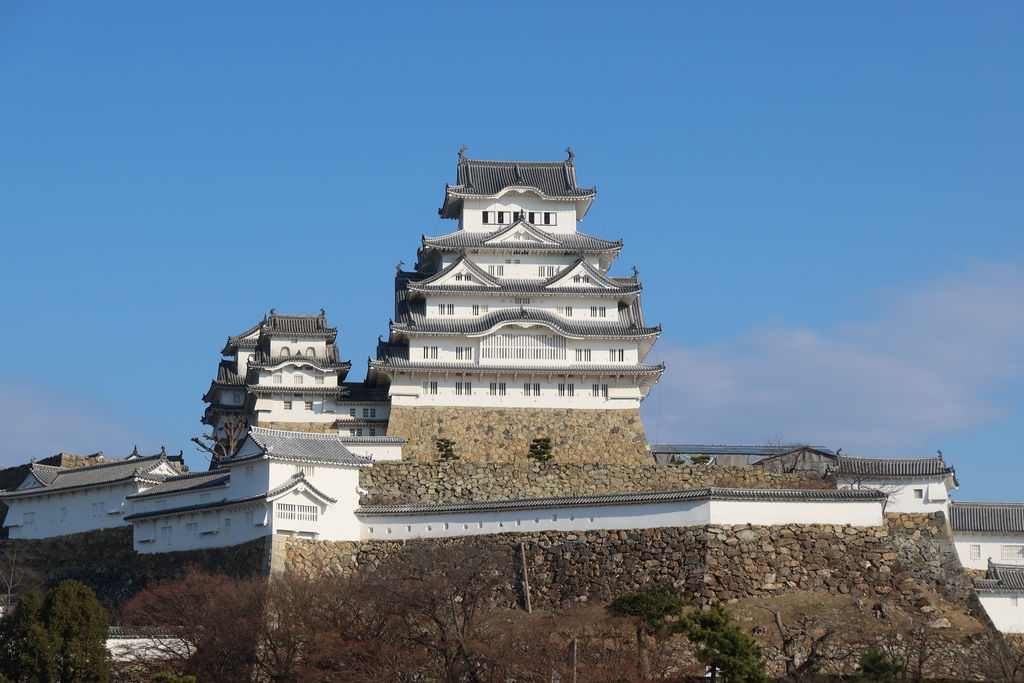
(540, 449)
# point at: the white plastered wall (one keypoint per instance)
(902, 497)
(1005, 609)
(988, 546)
(69, 512)
(630, 516)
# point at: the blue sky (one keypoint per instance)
(823, 199)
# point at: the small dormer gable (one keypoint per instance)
(30, 482)
(520, 232)
(581, 275)
(461, 273)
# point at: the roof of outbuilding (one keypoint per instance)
(998, 517)
(94, 475)
(280, 325)
(187, 482)
(1007, 578)
(710, 493)
(304, 446)
(730, 449)
(892, 467)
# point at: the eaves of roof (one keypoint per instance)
(296, 480)
(421, 325)
(625, 369)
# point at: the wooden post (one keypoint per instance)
(574, 644)
(526, 579)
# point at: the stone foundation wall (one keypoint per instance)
(925, 545)
(105, 561)
(458, 481)
(504, 434)
(711, 563)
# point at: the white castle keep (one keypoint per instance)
(507, 329)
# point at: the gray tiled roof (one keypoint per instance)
(45, 473)
(480, 178)
(574, 242)
(294, 481)
(299, 325)
(304, 446)
(331, 362)
(290, 389)
(363, 440)
(1002, 578)
(625, 499)
(892, 467)
(398, 363)
(276, 324)
(730, 449)
(187, 482)
(998, 517)
(495, 286)
(107, 473)
(359, 392)
(421, 324)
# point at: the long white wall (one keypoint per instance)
(70, 512)
(631, 516)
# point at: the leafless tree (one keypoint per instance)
(809, 645)
(16, 576)
(232, 433)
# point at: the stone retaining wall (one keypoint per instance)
(504, 434)
(446, 482)
(105, 561)
(925, 545)
(708, 563)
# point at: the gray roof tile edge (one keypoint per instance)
(154, 460)
(295, 480)
(710, 493)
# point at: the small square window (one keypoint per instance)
(975, 552)
(919, 493)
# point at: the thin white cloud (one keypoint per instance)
(931, 362)
(39, 422)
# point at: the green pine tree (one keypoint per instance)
(723, 646)
(77, 624)
(877, 666)
(26, 651)
(62, 637)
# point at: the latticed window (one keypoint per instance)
(1013, 552)
(582, 355)
(566, 389)
(300, 513)
(531, 389)
(523, 346)
(497, 389)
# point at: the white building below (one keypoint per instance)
(1002, 594)
(55, 501)
(280, 482)
(988, 532)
